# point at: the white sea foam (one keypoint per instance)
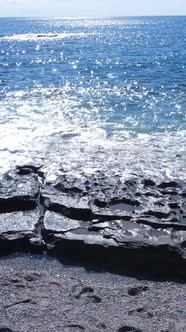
(56, 132)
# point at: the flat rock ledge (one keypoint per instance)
(137, 224)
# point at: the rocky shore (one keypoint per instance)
(134, 228)
(135, 225)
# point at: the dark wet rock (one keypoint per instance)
(19, 210)
(18, 222)
(67, 199)
(170, 184)
(158, 214)
(55, 222)
(102, 217)
(69, 206)
(135, 223)
(28, 169)
(158, 253)
(148, 182)
(18, 192)
(18, 231)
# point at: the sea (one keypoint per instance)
(89, 94)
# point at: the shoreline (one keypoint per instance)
(91, 253)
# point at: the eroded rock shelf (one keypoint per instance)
(136, 224)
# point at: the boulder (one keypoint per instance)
(18, 190)
(18, 231)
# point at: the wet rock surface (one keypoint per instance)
(136, 223)
(18, 231)
(19, 189)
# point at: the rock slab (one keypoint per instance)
(137, 223)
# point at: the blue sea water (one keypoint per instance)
(85, 94)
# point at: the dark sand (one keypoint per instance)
(38, 293)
